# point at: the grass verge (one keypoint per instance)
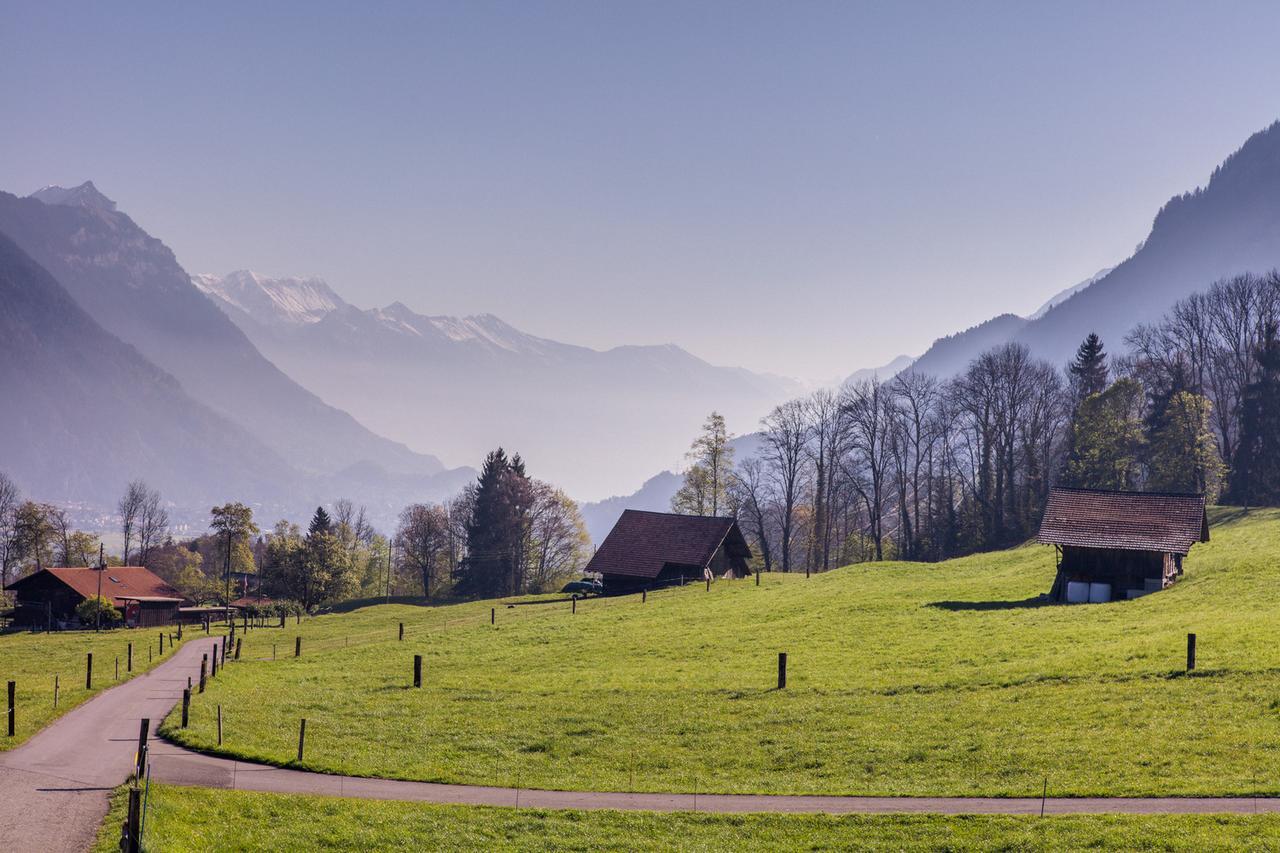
(196, 819)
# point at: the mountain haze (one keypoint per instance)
(1229, 226)
(86, 412)
(134, 287)
(469, 384)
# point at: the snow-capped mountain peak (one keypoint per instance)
(272, 301)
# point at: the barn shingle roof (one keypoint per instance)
(641, 543)
(1134, 521)
(119, 583)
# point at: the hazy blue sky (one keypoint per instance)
(806, 188)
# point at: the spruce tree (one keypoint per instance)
(320, 523)
(1255, 477)
(1089, 369)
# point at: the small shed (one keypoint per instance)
(1117, 545)
(652, 549)
(50, 596)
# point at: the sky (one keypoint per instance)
(798, 188)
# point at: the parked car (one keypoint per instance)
(586, 586)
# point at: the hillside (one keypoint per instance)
(941, 679)
(86, 413)
(1231, 225)
(465, 385)
(132, 285)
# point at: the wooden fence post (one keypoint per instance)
(417, 671)
(204, 666)
(644, 596)
(302, 737)
(117, 667)
(219, 725)
(782, 670)
(162, 642)
(57, 686)
(297, 647)
(132, 843)
(757, 579)
(13, 706)
(575, 605)
(238, 648)
(402, 632)
(213, 669)
(88, 672)
(1191, 652)
(493, 615)
(129, 666)
(186, 706)
(144, 728)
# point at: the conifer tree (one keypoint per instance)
(320, 523)
(1089, 368)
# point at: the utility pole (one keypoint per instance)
(226, 602)
(102, 565)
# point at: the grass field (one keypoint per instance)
(903, 679)
(194, 819)
(33, 661)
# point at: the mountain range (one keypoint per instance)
(189, 364)
(115, 363)
(1229, 226)
(461, 386)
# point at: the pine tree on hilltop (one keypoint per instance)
(1089, 369)
(1255, 477)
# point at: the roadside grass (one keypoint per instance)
(33, 661)
(903, 679)
(195, 819)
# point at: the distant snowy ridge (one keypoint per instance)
(1063, 295)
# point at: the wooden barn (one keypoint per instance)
(1119, 545)
(48, 598)
(653, 549)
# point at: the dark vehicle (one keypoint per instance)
(584, 587)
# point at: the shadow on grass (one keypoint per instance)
(1035, 601)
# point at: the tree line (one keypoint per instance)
(915, 468)
(505, 534)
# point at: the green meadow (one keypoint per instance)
(33, 661)
(904, 679)
(195, 820)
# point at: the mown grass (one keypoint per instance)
(193, 819)
(34, 660)
(904, 679)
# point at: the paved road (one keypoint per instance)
(54, 788)
(179, 766)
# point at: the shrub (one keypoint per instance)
(87, 611)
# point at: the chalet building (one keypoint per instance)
(653, 549)
(1119, 545)
(48, 598)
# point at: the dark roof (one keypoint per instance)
(1135, 521)
(641, 543)
(120, 583)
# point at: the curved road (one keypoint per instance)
(54, 788)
